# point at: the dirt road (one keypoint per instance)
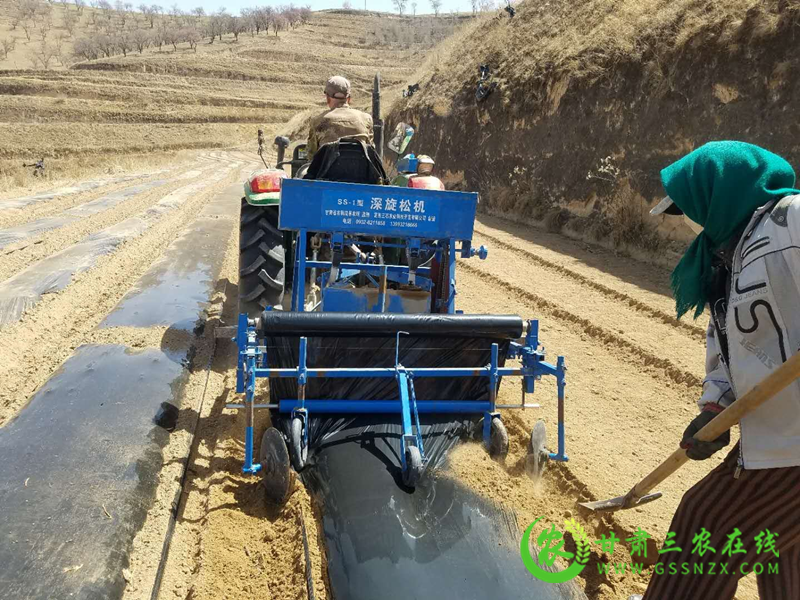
(104, 278)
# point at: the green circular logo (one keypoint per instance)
(551, 544)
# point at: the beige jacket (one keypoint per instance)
(337, 123)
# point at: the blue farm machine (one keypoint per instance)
(348, 307)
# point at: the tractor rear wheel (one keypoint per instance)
(261, 259)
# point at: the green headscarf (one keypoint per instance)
(719, 186)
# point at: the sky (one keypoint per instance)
(233, 6)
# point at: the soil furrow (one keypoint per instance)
(660, 315)
(98, 231)
(652, 336)
(33, 348)
(635, 354)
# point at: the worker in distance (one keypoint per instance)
(744, 266)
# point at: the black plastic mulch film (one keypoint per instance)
(384, 541)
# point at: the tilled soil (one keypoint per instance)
(634, 375)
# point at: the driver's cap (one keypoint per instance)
(337, 87)
(666, 207)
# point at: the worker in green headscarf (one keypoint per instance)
(744, 265)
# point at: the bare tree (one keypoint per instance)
(192, 37)
(347, 5)
(157, 37)
(475, 6)
(27, 27)
(292, 15)
(140, 38)
(70, 21)
(150, 14)
(210, 30)
(305, 14)
(59, 46)
(436, 5)
(400, 6)
(487, 5)
(414, 8)
(122, 13)
(85, 48)
(43, 55)
(171, 37)
(80, 5)
(236, 26)
(278, 23)
(7, 45)
(261, 18)
(198, 13)
(105, 44)
(124, 42)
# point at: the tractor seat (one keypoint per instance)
(347, 160)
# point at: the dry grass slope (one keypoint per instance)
(595, 97)
(214, 96)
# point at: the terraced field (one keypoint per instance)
(165, 101)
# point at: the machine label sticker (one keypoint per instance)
(359, 211)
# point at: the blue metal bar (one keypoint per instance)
(250, 391)
(372, 268)
(425, 407)
(382, 290)
(416, 416)
(405, 413)
(241, 343)
(299, 291)
(561, 455)
(493, 377)
(389, 372)
(302, 378)
(451, 278)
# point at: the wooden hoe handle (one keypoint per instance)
(773, 384)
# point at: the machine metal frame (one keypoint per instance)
(302, 203)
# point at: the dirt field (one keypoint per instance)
(634, 374)
(148, 163)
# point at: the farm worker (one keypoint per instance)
(744, 266)
(339, 120)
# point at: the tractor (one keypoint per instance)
(348, 306)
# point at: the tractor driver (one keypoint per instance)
(339, 120)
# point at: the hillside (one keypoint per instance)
(172, 98)
(595, 97)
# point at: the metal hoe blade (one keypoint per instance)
(620, 502)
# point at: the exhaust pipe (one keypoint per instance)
(282, 142)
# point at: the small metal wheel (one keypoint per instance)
(276, 472)
(498, 440)
(538, 457)
(299, 449)
(413, 470)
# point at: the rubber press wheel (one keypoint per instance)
(299, 450)
(537, 457)
(413, 469)
(276, 471)
(261, 259)
(498, 439)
